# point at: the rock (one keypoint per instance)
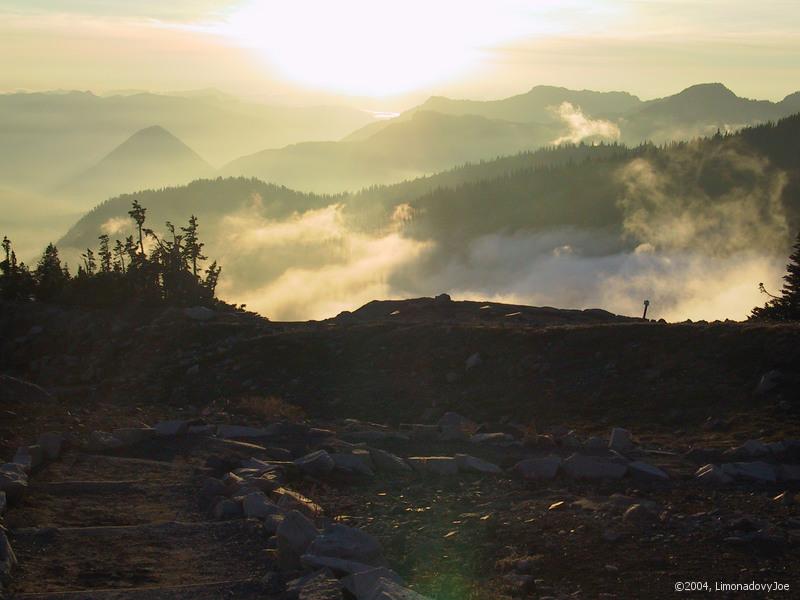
(386, 461)
(257, 506)
(570, 441)
(212, 488)
(435, 465)
(291, 500)
(13, 481)
(579, 466)
(474, 360)
(347, 543)
(29, 457)
(785, 498)
(639, 515)
(620, 440)
(227, 509)
(712, 475)
(102, 441)
(453, 426)
(353, 464)
(3, 503)
(470, 464)
(171, 428)
(272, 522)
(595, 444)
(202, 429)
(753, 471)
(364, 583)
(339, 565)
(322, 586)
(497, 438)
(442, 298)
(8, 559)
(241, 432)
(130, 436)
(316, 464)
(769, 382)
(643, 470)
(295, 534)
(539, 468)
(199, 313)
(418, 431)
(789, 472)
(519, 584)
(51, 444)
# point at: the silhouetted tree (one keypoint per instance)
(105, 254)
(137, 213)
(49, 276)
(786, 306)
(193, 248)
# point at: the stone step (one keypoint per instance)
(137, 556)
(240, 590)
(78, 503)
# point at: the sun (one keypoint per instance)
(374, 47)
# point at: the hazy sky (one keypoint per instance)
(391, 53)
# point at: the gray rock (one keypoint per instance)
(291, 500)
(171, 428)
(227, 509)
(258, 506)
(638, 514)
(471, 464)
(434, 465)
(199, 313)
(418, 431)
(353, 464)
(340, 565)
(474, 360)
(26, 459)
(753, 471)
(753, 449)
(386, 589)
(539, 468)
(595, 444)
(272, 522)
(570, 441)
(620, 440)
(202, 429)
(643, 470)
(769, 382)
(347, 543)
(3, 503)
(712, 475)
(386, 461)
(102, 441)
(497, 438)
(453, 426)
(316, 464)
(789, 472)
(130, 436)
(323, 586)
(51, 444)
(241, 432)
(294, 535)
(579, 466)
(364, 583)
(8, 560)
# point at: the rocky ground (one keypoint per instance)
(583, 456)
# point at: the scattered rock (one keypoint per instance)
(620, 440)
(8, 559)
(240, 432)
(347, 543)
(712, 475)
(3, 503)
(102, 441)
(453, 426)
(257, 506)
(519, 584)
(227, 509)
(386, 461)
(789, 472)
(354, 464)
(171, 428)
(539, 468)
(470, 464)
(638, 514)
(595, 444)
(363, 584)
(753, 471)
(291, 500)
(769, 382)
(29, 457)
(213, 487)
(643, 470)
(295, 534)
(316, 464)
(435, 465)
(497, 438)
(579, 466)
(386, 589)
(322, 586)
(339, 565)
(131, 436)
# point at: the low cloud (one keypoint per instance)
(581, 127)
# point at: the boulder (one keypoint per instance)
(347, 543)
(294, 535)
(130, 436)
(639, 514)
(538, 468)
(29, 457)
(8, 559)
(580, 466)
(241, 432)
(643, 470)
(752, 471)
(339, 565)
(198, 313)
(620, 440)
(789, 472)
(471, 464)
(171, 428)
(570, 441)
(755, 448)
(353, 464)
(712, 475)
(364, 583)
(418, 431)
(202, 429)
(51, 444)
(453, 426)
(291, 500)
(316, 464)
(213, 487)
(434, 465)
(498, 438)
(386, 461)
(256, 505)
(321, 586)
(3, 503)
(386, 589)
(595, 444)
(769, 382)
(227, 509)
(102, 441)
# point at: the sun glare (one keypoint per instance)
(377, 48)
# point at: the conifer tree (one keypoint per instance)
(105, 254)
(786, 306)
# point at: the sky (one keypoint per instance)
(390, 54)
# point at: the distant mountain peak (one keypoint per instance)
(707, 90)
